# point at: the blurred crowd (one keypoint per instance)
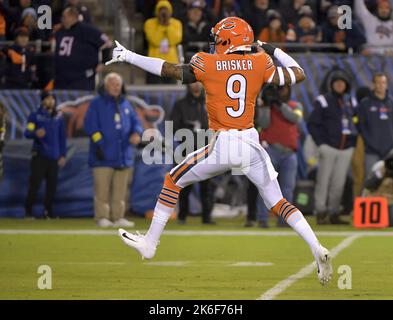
(17, 14)
(294, 25)
(69, 51)
(175, 30)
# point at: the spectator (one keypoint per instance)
(13, 17)
(84, 13)
(279, 119)
(380, 182)
(190, 113)
(228, 8)
(56, 11)
(180, 8)
(291, 9)
(77, 50)
(322, 7)
(274, 31)
(113, 126)
(306, 30)
(332, 128)
(2, 20)
(343, 38)
(197, 29)
(358, 154)
(163, 33)
(29, 21)
(378, 28)
(2, 137)
(256, 15)
(376, 122)
(47, 128)
(20, 67)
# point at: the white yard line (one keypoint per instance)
(268, 295)
(67, 263)
(305, 271)
(93, 263)
(198, 233)
(218, 263)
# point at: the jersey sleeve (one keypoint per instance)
(96, 37)
(198, 64)
(269, 69)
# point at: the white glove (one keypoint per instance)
(120, 54)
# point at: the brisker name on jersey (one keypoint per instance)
(233, 65)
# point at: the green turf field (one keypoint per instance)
(226, 261)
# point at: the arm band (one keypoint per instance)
(188, 74)
(292, 75)
(281, 76)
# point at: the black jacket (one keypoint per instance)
(326, 121)
(19, 75)
(76, 56)
(376, 124)
(353, 38)
(192, 33)
(190, 113)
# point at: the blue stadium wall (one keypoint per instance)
(74, 197)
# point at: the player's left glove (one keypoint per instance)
(120, 54)
(269, 49)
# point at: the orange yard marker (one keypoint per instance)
(370, 212)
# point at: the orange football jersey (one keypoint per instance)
(232, 83)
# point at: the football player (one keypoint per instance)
(232, 75)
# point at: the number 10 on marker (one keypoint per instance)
(370, 212)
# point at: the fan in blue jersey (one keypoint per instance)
(77, 52)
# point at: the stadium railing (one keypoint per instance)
(38, 45)
(307, 47)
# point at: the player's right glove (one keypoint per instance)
(269, 49)
(120, 54)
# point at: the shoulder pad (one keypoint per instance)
(198, 61)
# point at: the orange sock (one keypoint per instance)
(284, 209)
(169, 193)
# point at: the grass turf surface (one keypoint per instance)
(102, 267)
